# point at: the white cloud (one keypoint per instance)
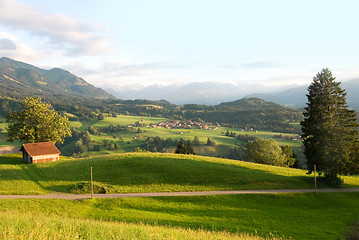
(7, 44)
(260, 64)
(10, 47)
(136, 69)
(60, 31)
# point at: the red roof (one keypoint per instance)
(41, 148)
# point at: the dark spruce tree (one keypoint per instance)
(181, 149)
(329, 129)
(189, 148)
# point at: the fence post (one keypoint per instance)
(91, 185)
(315, 178)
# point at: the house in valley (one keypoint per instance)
(40, 152)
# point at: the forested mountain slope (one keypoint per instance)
(21, 79)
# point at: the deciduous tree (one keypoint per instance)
(266, 151)
(37, 122)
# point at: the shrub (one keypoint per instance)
(85, 187)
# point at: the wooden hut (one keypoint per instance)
(40, 152)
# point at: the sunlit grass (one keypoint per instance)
(124, 120)
(297, 216)
(149, 172)
(224, 143)
(21, 226)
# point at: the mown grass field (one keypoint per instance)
(149, 172)
(289, 216)
(222, 148)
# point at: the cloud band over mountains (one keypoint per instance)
(59, 31)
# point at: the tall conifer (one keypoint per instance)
(330, 134)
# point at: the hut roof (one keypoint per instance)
(41, 148)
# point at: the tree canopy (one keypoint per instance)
(37, 122)
(266, 151)
(330, 134)
(181, 149)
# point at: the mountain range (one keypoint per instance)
(296, 97)
(209, 93)
(22, 79)
(18, 78)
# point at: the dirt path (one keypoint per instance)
(163, 194)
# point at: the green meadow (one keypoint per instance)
(267, 216)
(223, 143)
(148, 172)
(272, 216)
(19, 226)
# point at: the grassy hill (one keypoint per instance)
(269, 216)
(148, 172)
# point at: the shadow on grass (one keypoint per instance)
(12, 159)
(285, 213)
(148, 172)
(151, 172)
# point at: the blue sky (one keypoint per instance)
(113, 43)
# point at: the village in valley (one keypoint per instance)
(189, 124)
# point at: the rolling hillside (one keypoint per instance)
(148, 172)
(21, 79)
(264, 216)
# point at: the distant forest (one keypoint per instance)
(245, 113)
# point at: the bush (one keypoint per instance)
(100, 117)
(210, 142)
(85, 187)
(333, 181)
(97, 147)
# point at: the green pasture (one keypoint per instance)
(129, 144)
(20, 226)
(123, 120)
(5, 142)
(223, 143)
(3, 126)
(318, 216)
(3, 137)
(149, 172)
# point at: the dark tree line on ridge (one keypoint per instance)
(253, 113)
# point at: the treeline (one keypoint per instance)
(157, 144)
(265, 151)
(80, 142)
(246, 113)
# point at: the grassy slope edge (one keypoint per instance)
(291, 216)
(149, 172)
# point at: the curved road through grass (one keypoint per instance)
(164, 194)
